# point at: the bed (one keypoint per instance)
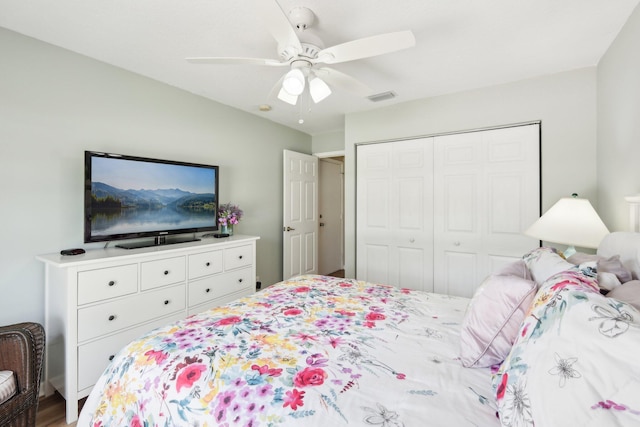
(538, 344)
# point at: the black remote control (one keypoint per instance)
(76, 251)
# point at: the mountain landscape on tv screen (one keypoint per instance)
(105, 197)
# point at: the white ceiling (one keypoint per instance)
(460, 44)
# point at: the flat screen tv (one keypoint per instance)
(128, 197)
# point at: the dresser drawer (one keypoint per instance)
(204, 264)
(238, 257)
(105, 283)
(219, 285)
(93, 358)
(162, 272)
(123, 313)
(217, 302)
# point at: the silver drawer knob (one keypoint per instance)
(111, 283)
(112, 317)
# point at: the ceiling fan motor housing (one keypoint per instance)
(301, 17)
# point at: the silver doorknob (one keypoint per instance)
(322, 224)
(289, 229)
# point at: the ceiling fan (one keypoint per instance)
(303, 52)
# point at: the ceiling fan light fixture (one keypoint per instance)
(283, 95)
(294, 82)
(319, 89)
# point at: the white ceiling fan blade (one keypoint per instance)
(367, 47)
(235, 61)
(279, 26)
(285, 96)
(343, 81)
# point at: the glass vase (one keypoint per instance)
(227, 229)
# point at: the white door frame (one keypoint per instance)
(328, 155)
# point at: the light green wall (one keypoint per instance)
(54, 104)
(619, 125)
(329, 142)
(565, 103)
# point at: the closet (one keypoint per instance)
(441, 213)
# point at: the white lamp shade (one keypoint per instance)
(283, 95)
(319, 89)
(571, 221)
(294, 82)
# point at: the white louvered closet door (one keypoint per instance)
(440, 214)
(394, 213)
(486, 193)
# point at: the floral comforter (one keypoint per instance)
(311, 351)
(574, 362)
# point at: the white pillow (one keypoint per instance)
(7, 386)
(544, 263)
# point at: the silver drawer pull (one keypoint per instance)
(239, 280)
(166, 302)
(111, 357)
(240, 257)
(112, 317)
(112, 282)
(207, 290)
(208, 264)
(166, 272)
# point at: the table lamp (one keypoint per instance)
(571, 221)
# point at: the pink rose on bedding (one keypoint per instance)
(375, 316)
(189, 375)
(228, 321)
(302, 289)
(310, 377)
(292, 312)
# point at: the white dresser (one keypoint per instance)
(97, 302)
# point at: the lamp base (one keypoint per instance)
(569, 251)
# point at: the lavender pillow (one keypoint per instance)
(493, 318)
(628, 292)
(613, 265)
(517, 268)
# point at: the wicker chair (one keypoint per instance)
(22, 351)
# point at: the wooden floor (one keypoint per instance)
(51, 412)
(339, 273)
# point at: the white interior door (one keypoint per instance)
(331, 208)
(300, 214)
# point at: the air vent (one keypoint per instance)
(381, 96)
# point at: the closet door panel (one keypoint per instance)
(394, 213)
(373, 215)
(512, 176)
(486, 194)
(458, 273)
